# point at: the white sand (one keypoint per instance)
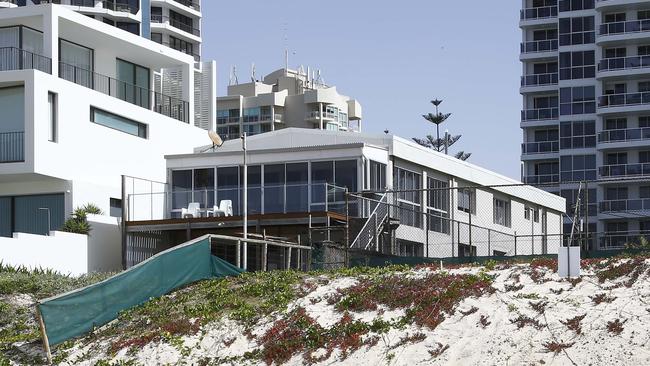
(500, 343)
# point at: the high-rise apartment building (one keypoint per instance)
(285, 98)
(173, 23)
(586, 109)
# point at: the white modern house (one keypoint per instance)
(302, 174)
(585, 89)
(83, 103)
(285, 98)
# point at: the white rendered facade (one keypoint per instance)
(285, 98)
(67, 135)
(287, 169)
(586, 109)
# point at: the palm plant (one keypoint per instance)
(440, 144)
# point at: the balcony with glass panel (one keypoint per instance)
(541, 179)
(624, 170)
(543, 49)
(627, 102)
(540, 114)
(623, 31)
(615, 66)
(533, 16)
(627, 205)
(630, 137)
(158, 21)
(539, 150)
(535, 83)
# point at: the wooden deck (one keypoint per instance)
(279, 219)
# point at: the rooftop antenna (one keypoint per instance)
(216, 141)
(286, 49)
(233, 76)
(253, 79)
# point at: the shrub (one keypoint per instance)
(78, 222)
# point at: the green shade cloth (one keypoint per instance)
(73, 314)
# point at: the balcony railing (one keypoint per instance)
(12, 147)
(623, 63)
(625, 170)
(176, 24)
(546, 45)
(624, 205)
(631, 26)
(616, 100)
(123, 7)
(543, 147)
(539, 114)
(142, 97)
(539, 79)
(187, 51)
(615, 239)
(189, 4)
(539, 13)
(266, 199)
(542, 179)
(317, 115)
(12, 58)
(623, 135)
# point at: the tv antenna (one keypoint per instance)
(216, 141)
(233, 76)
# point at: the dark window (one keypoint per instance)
(156, 37)
(577, 134)
(577, 65)
(577, 100)
(573, 5)
(129, 27)
(115, 207)
(577, 168)
(574, 31)
(119, 123)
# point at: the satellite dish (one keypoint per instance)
(216, 140)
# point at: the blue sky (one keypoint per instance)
(393, 58)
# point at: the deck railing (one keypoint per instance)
(12, 147)
(12, 58)
(142, 97)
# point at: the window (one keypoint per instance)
(156, 37)
(115, 207)
(252, 114)
(616, 158)
(616, 123)
(438, 205)
(377, 176)
(577, 65)
(577, 134)
(577, 100)
(615, 52)
(12, 125)
(644, 121)
(544, 34)
(76, 63)
(644, 86)
(572, 5)
(467, 200)
(119, 123)
(643, 50)
(643, 14)
(644, 192)
(129, 27)
(527, 212)
(408, 197)
(644, 157)
(465, 250)
(133, 85)
(181, 45)
(501, 212)
(52, 116)
(297, 187)
(614, 17)
(574, 31)
(577, 168)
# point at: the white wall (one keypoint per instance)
(104, 244)
(63, 252)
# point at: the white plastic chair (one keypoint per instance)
(193, 210)
(224, 209)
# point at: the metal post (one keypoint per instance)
(469, 196)
(238, 252)
(289, 258)
(347, 227)
(532, 230)
(586, 228)
(453, 249)
(243, 139)
(265, 252)
(489, 242)
(515, 243)
(125, 204)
